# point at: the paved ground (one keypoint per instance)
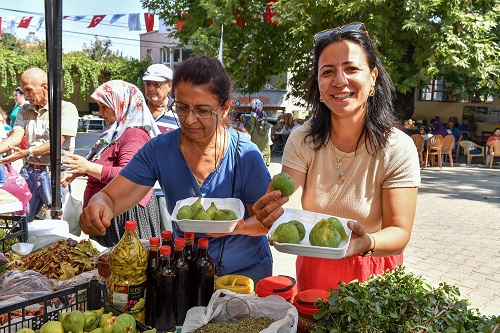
(456, 236)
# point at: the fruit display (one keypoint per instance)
(196, 211)
(284, 183)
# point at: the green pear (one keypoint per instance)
(185, 213)
(211, 210)
(201, 215)
(224, 215)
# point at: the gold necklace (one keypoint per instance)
(338, 164)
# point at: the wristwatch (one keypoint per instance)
(30, 153)
(372, 250)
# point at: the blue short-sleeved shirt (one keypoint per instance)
(161, 159)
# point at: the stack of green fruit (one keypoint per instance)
(196, 211)
(93, 321)
(328, 233)
(292, 232)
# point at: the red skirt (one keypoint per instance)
(318, 273)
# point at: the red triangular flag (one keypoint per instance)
(25, 22)
(96, 20)
(150, 21)
(65, 17)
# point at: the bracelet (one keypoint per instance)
(372, 250)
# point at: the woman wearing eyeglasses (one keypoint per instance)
(130, 126)
(203, 158)
(349, 160)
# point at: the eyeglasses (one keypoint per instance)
(182, 110)
(348, 27)
(156, 85)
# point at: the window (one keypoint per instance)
(436, 91)
(149, 53)
(164, 56)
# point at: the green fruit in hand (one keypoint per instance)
(224, 215)
(339, 227)
(284, 183)
(52, 327)
(324, 234)
(201, 215)
(196, 206)
(25, 330)
(104, 318)
(211, 210)
(73, 322)
(124, 323)
(300, 228)
(286, 233)
(185, 213)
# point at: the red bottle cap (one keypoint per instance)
(130, 225)
(179, 242)
(282, 285)
(165, 250)
(203, 242)
(306, 301)
(154, 241)
(189, 235)
(166, 234)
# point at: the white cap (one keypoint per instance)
(158, 73)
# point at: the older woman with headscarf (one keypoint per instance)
(259, 130)
(130, 126)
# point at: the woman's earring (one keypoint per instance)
(321, 100)
(372, 92)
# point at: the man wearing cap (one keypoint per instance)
(157, 84)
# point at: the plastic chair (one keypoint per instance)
(419, 142)
(494, 151)
(434, 148)
(467, 146)
(447, 149)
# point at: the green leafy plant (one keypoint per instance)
(399, 302)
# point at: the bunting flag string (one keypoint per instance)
(96, 20)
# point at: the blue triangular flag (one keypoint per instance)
(115, 18)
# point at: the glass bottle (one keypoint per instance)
(127, 283)
(189, 250)
(153, 262)
(181, 284)
(164, 287)
(166, 239)
(203, 285)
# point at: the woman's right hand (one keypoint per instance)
(269, 207)
(95, 218)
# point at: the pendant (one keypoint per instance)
(338, 164)
(341, 177)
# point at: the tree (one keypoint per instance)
(417, 40)
(100, 50)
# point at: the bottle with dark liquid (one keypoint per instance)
(166, 239)
(203, 283)
(164, 287)
(189, 250)
(153, 262)
(181, 284)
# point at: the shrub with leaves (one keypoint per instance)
(399, 302)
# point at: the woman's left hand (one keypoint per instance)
(238, 229)
(360, 241)
(77, 164)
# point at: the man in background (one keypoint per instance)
(157, 85)
(33, 121)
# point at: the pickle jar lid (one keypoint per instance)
(281, 285)
(239, 284)
(306, 301)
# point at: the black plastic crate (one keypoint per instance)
(86, 296)
(15, 227)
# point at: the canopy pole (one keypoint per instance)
(53, 34)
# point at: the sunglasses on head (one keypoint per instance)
(348, 27)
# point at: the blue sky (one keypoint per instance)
(75, 34)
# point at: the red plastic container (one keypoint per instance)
(281, 285)
(306, 304)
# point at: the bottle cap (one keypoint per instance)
(154, 241)
(179, 242)
(166, 234)
(203, 242)
(189, 235)
(130, 225)
(165, 250)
